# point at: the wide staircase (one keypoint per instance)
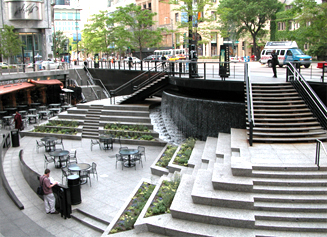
(225, 194)
(281, 115)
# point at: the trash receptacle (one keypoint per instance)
(15, 138)
(75, 189)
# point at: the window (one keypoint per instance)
(213, 15)
(77, 16)
(176, 17)
(57, 16)
(282, 52)
(289, 53)
(144, 6)
(149, 5)
(70, 16)
(64, 16)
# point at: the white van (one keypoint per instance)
(287, 51)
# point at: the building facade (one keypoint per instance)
(32, 20)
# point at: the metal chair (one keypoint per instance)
(120, 158)
(137, 157)
(39, 144)
(93, 170)
(95, 142)
(72, 156)
(123, 148)
(48, 160)
(142, 151)
(85, 174)
(60, 143)
(65, 172)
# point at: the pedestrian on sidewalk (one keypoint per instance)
(274, 61)
(18, 121)
(49, 198)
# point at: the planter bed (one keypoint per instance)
(78, 129)
(129, 212)
(78, 136)
(103, 123)
(158, 170)
(151, 133)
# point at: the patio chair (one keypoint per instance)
(48, 160)
(72, 156)
(120, 158)
(60, 142)
(39, 144)
(142, 151)
(95, 142)
(93, 170)
(85, 174)
(65, 172)
(123, 148)
(137, 157)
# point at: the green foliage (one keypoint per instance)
(130, 135)
(58, 130)
(166, 156)
(164, 197)
(185, 152)
(115, 126)
(10, 44)
(59, 42)
(240, 17)
(62, 123)
(133, 210)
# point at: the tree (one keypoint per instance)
(10, 44)
(135, 28)
(60, 42)
(246, 16)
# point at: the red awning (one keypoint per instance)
(5, 89)
(48, 82)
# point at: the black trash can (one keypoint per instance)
(75, 189)
(15, 138)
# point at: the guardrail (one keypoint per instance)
(319, 144)
(249, 102)
(30, 67)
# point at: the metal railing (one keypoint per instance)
(249, 102)
(319, 144)
(31, 67)
(316, 106)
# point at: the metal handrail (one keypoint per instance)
(91, 86)
(89, 75)
(318, 146)
(317, 107)
(249, 102)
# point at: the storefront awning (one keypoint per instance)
(5, 89)
(48, 82)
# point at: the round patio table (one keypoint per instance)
(60, 154)
(49, 143)
(107, 141)
(129, 153)
(78, 168)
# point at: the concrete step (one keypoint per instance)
(289, 114)
(183, 208)
(274, 120)
(195, 158)
(125, 119)
(93, 222)
(294, 207)
(289, 190)
(290, 124)
(291, 226)
(283, 102)
(209, 152)
(127, 107)
(125, 113)
(276, 94)
(223, 149)
(284, 110)
(289, 198)
(290, 174)
(288, 129)
(291, 216)
(285, 167)
(280, 107)
(290, 134)
(291, 182)
(289, 140)
(276, 98)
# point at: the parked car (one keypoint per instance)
(320, 65)
(5, 65)
(176, 57)
(30, 65)
(134, 59)
(152, 58)
(50, 65)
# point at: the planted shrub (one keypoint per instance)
(133, 210)
(166, 156)
(43, 129)
(123, 127)
(62, 123)
(185, 152)
(130, 135)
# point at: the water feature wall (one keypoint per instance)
(200, 118)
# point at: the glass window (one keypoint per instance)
(64, 16)
(36, 44)
(70, 16)
(77, 16)
(57, 16)
(176, 17)
(282, 52)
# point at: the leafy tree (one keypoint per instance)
(195, 19)
(10, 44)
(97, 34)
(312, 19)
(246, 16)
(59, 42)
(135, 28)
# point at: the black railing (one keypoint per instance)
(314, 103)
(249, 102)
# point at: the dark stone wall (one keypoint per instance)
(200, 118)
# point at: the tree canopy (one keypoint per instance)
(59, 43)
(10, 44)
(239, 17)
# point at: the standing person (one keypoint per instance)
(18, 121)
(163, 59)
(274, 61)
(130, 62)
(49, 198)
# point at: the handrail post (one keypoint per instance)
(251, 133)
(317, 160)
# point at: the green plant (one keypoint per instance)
(133, 210)
(163, 199)
(62, 123)
(58, 130)
(115, 126)
(166, 156)
(185, 152)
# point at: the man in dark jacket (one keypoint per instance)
(274, 61)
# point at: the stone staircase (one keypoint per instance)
(91, 122)
(280, 115)
(227, 195)
(90, 220)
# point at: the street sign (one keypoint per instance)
(74, 42)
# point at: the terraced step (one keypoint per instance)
(93, 222)
(275, 98)
(276, 110)
(291, 216)
(290, 174)
(282, 102)
(280, 106)
(281, 115)
(295, 124)
(290, 134)
(286, 129)
(125, 113)
(294, 207)
(125, 119)
(291, 182)
(285, 139)
(289, 198)
(289, 190)
(291, 226)
(277, 94)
